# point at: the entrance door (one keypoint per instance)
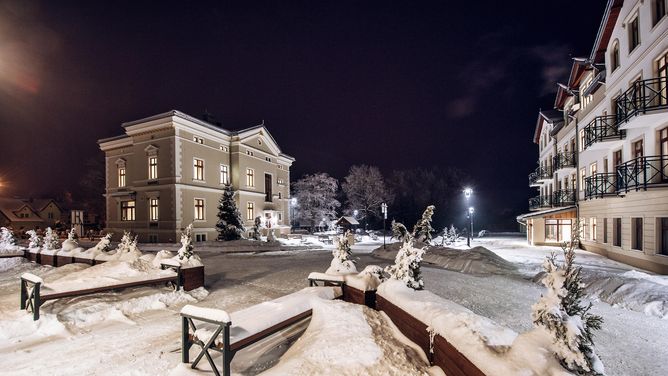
(268, 194)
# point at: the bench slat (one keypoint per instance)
(65, 294)
(244, 342)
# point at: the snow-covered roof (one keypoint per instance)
(9, 207)
(544, 212)
(349, 219)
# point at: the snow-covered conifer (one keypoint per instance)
(125, 244)
(399, 231)
(561, 312)
(256, 228)
(229, 226)
(72, 235)
(186, 250)
(342, 262)
(35, 240)
(422, 230)
(406, 266)
(50, 240)
(103, 244)
(452, 234)
(7, 237)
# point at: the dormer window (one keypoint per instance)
(198, 140)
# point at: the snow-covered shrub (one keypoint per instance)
(406, 266)
(50, 240)
(186, 250)
(103, 244)
(35, 240)
(271, 237)
(422, 230)
(450, 235)
(71, 242)
(399, 231)
(482, 233)
(561, 312)
(342, 262)
(7, 238)
(256, 228)
(229, 226)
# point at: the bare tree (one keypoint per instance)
(316, 202)
(365, 191)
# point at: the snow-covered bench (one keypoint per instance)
(33, 298)
(325, 279)
(229, 333)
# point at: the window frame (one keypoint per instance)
(197, 211)
(128, 212)
(153, 209)
(196, 167)
(250, 177)
(224, 174)
(634, 33)
(250, 210)
(152, 167)
(122, 177)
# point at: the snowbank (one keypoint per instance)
(326, 277)
(477, 260)
(367, 280)
(494, 349)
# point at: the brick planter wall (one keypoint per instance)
(192, 278)
(34, 257)
(353, 295)
(63, 260)
(47, 260)
(83, 260)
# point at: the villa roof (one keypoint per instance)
(8, 207)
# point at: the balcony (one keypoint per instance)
(602, 129)
(540, 202)
(541, 174)
(563, 197)
(642, 97)
(565, 160)
(642, 172)
(600, 185)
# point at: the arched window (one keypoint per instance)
(614, 56)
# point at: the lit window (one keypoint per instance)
(128, 210)
(267, 159)
(198, 140)
(121, 176)
(582, 139)
(198, 169)
(583, 175)
(223, 148)
(592, 169)
(250, 211)
(592, 224)
(199, 209)
(153, 209)
(250, 177)
(585, 99)
(634, 34)
(153, 167)
(224, 175)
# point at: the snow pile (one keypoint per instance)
(126, 251)
(70, 246)
(10, 263)
(367, 280)
(17, 326)
(494, 349)
(342, 262)
(349, 339)
(8, 242)
(91, 253)
(326, 277)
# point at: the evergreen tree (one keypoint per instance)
(7, 237)
(229, 226)
(342, 252)
(399, 231)
(256, 228)
(186, 250)
(422, 230)
(72, 235)
(561, 312)
(35, 240)
(50, 239)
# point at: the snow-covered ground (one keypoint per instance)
(137, 331)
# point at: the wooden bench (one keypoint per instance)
(33, 298)
(228, 333)
(325, 279)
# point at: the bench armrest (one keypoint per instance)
(212, 315)
(29, 277)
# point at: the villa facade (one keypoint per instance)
(169, 170)
(614, 113)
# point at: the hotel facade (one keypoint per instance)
(603, 150)
(169, 170)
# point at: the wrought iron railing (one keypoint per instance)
(602, 128)
(563, 197)
(599, 185)
(641, 172)
(540, 202)
(564, 160)
(641, 97)
(540, 174)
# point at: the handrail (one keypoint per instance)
(641, 172)
(599, 185)
(540, 202)
(562, 160)
(563, 197)
(642, 96)
(602, 128)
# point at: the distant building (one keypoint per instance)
(169, 170)
(28, 214)
(347, 223)
(614, 114)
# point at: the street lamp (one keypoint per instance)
(471, 210)
(293, 203)
(467, 193)
(355, 212)
(383, 208)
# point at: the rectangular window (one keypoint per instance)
(152, 238)
(592, 169)
(280, 216)
(662, 227)
(250, 211)
(128, 210)
(199, 209)
(583, 175)
(223, 148)
(250, 177)
(638, 149)
(200, 237)
(658, 11)
(268, 191)
(636, 234)
(634, 34)
(663, 152)
(617, 232)
(592, 225)
(557, 230)
(153, 167)
(198, 140)
(121, 176)
(224, 174)
(198, 169)
(153, 209)
(605, 230)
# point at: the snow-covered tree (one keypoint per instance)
(450, 235)
(399, 231)
(561, 312)
(406, 266)
(422, 230)
(257, 224)
(186, 250)
(365, 191)
(7, 237)
(125, 245)
(103, 244)
(316, 199)
(35, 240)
(229, 226)
(50, 240)
(342, 262)
(72, 235)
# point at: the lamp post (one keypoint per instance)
(293, 203)
(471, 210)
(383, 208)
(467, 193)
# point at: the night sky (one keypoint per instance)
(392, 84)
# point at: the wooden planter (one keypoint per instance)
(446, 356)
(34, 257)
(47, 260)
(192, 278)
(353, 295)
(63, 260)
(83, 260)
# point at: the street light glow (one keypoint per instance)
(468, 192)
(471, 210)
(293, 201)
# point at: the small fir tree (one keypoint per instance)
(342, 252)
(7, 237)
(422, 230)
(104, 243)
(50, 240)
(561, 312)
(399, 231)
(72, 235)
(257, 224)
(125, 244)
(229, 226)
(186, 250)
(35, 240)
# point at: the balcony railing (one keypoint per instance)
(565, 160)
(599, 185)
(641, 172)
(602, 128)
(540, 174)
(643, 96)
(563, 197)
(540, 202)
